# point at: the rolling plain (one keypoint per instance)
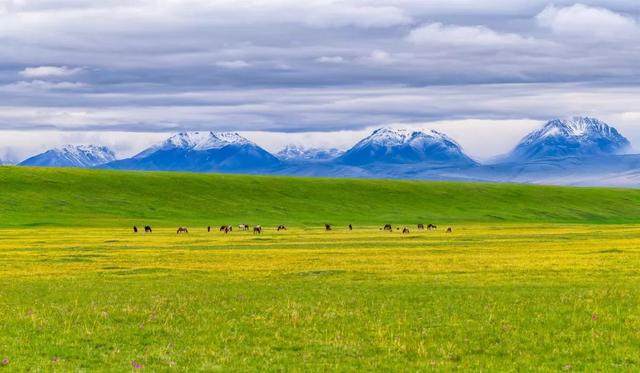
(532, 277)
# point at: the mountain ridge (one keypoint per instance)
(84, 156)
(200, 152)
(578, 150)
(576, 136)
(403, 146)
(297, 153)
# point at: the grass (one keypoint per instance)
(487, 297)
(71, 197)
(530, 279)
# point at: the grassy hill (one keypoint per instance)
(73, 197)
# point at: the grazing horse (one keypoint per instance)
(243, 227)
(182, 230)
(257, 229)
(405, 230)
(208, 228)
(135, 229)
(387, 227)
(147, 229)
(281, 228)
(449, 230)
(432, 227)
(327, 227)
(421, 227)
(350, 227)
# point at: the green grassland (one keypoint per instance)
(71, 197)
(532, 278)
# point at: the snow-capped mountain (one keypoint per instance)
(578, 136)
(295, 153)
(201, 152)
(196, 141)
(402, 146)
(72, 156)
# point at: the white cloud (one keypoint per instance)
(380, 57)
(332, 13)
(40, 85)
(237, 64)
(330, 59)
(16, 146)
(473, 36)
(49, 71)
(313, 65)
(588, 22)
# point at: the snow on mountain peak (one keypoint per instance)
(199, 141)
(73, 156)
(294, 152)
(389, 137)
(577, 127)
(577, 136)
(399, 145)
(203, 140)
(92, 151)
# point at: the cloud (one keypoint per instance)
(379, 57)
(330, 59)
(236, 64)
(328, 13)
(467, 36)
(587, 22)
(316, 65)
(49, 71)
(41, 85)
(16, 146)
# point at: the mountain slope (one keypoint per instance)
(298, 154)
(201, 152)
(578, 136)
(72, 156)
(401, 146)
(104, 198)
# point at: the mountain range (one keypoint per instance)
(201, 152)
(576, 151)
(72, 156)
(576, 137)
(299, 154)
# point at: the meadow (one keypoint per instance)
(523, 283)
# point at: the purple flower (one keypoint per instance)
(136, 365)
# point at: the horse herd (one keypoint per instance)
(327, 227)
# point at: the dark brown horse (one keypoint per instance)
(135, 229)
(387, 227)
(405, 230)
(350, 227)
(257, 229)
(432, 227)
(182, 230)
(147, 229)
(449, 230)
(327, 227)
(281, 228)
(420, 227)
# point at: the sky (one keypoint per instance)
(127, 73)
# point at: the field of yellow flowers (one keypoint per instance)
(487, 296)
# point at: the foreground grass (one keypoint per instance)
(508, 297)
